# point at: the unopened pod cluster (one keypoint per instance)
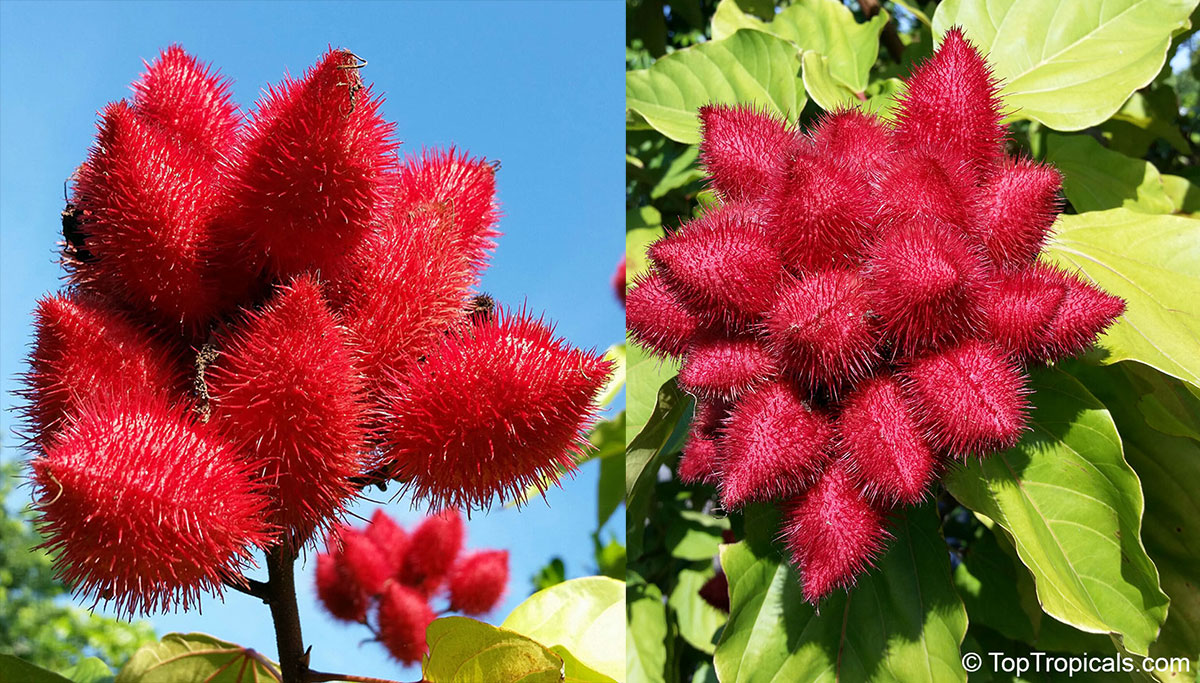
(860, 308)
(266, 314)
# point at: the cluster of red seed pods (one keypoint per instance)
(861, 307)
(395, 574)
(264, 315)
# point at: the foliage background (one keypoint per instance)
(1048, 528)
(473, 74)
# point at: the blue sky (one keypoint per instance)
(537, 85)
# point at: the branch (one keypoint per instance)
(318, 676)
(255, 589)
(890, 38)
(281, 584)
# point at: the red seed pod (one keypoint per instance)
(700, 460)
(491, 412)
(717, 368)
(924, 282)
(918, 187)
(1017, 206)
(883, 445)
(432, 550)
(389, 537)
(142, 506)
(1019, 309)
(820, 330)
(463, 188)
(774, 445)
(821, 213)
(191, 101)
(715, 592)
(313, 170)
(970, 398)
(951, 109)
(860, 140)
(365, 565)
(721, 264)
(477, 582)
(85, 346)
(285, 386)
(742, 148)
(148, 204)
(833, 534)
(1084, 313)
(340, 596)
(657, 319)
(404, 615)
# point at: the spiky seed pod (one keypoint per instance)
(1017, 206)
(715, 592)
(404, 615)
(700, 460)
(950, 109)
(924, 282)
(1019, 308)
(285, 388)
(721, 262)
(742, 148)
(403, 288)
(340, 596)
(142, 506)
(970, 398)
(148, 204)
(821, 213)
(918, 187)
(657, 319)
(313, 169)
(862, 141)
(1084, 313)
(432, 550)
(820, 330)
(494, 410)
(84, 346)
(832, 533)
(719, 368)
(774, 446)
(366, 566)
(477, 582)
(191, 101)
(462, 187)
(389, 537)
(882, 444)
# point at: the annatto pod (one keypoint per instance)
(1020, 204)
(724, 368)
(1019, 307)
(189, 100)
(656, 317)
(742, 149)
(477, 581)
(883, 445)
(434, 547)
(494, 410)
(286, 390)
(143, 506)
(404, 615)
(701, 460)
(821, 213)
(390, 538)
(338, 594)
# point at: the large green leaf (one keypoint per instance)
(609, 438)
(586, 616)
(692, 535)
(90, 670)
(644, 456)
(830, 93)
(16, 669)
(1151, 261)
(1095, 178)
(196, 658)
(646, 632)
(1185, 195)
(1074, 510)
(463, 650)
(1169, 468)
(698, 621)
(902, 622)
(823, 26)
(1069, 64)
(647, 373)
(987, 580)
(747, 67)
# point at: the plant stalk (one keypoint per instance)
(293, 660)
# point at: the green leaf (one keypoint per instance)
(553, 573)
(616, 382)
(586, 616)
(823, 26)
(644, 456)
(682, 171)
(1151, 261)
(1066, 63)
(463, 650)
(1169, 406)
(1184, 195)
(610, 557)
(15, 669)
(196, 658)
(638, 239)
(647, 374)
(987, 581)
(609, 439)
(1149, 114)
(90, 670)
(1095, 178)
(901, 623)
(830, 93)
(646, 633)
(749, 67)
(575, 671)
(698, 621)
(1169, 467)
(692, 535)
(1073, 508)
